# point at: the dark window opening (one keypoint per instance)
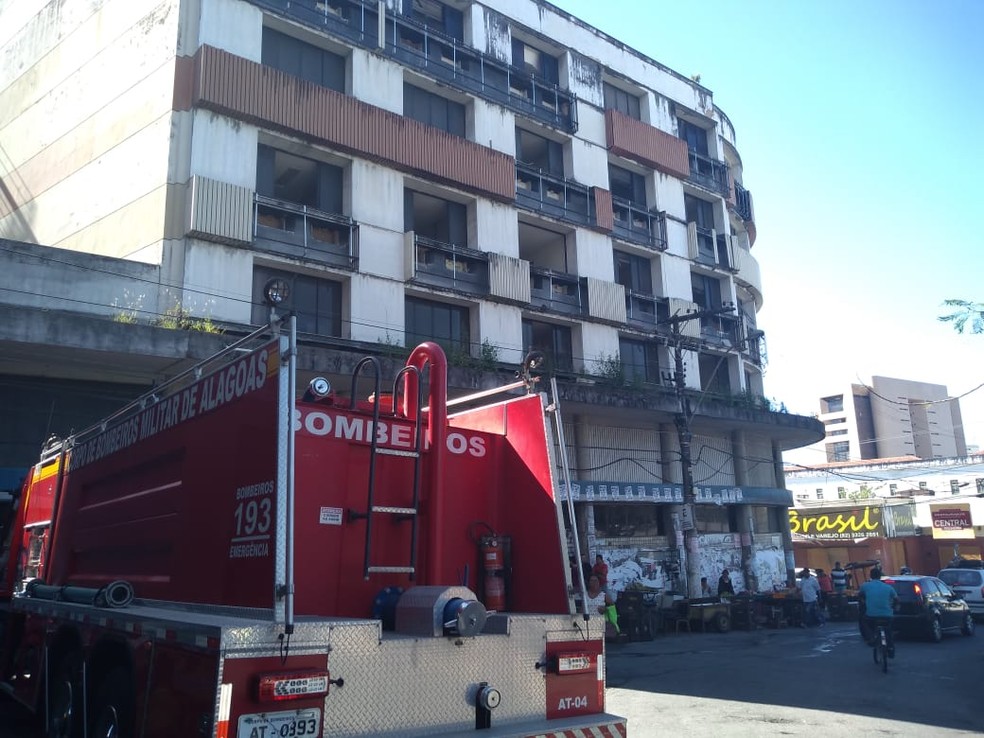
(436, 16)
(627, 520)
(317, 303)
(634, 273)
(433, 110)
(622, 101)
(540, 152)
(303, 60)
(435, 218)
(298, 180)
(640, 360)
(447, 325)
(554, 341)
(716, 519)
(535, 62)
(627, 185)
(695, 136)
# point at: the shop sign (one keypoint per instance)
(862, 522)
(952, 521)
(585, 491)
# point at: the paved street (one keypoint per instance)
(795, 682)
(787, 682)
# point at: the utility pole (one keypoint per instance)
(682, 422)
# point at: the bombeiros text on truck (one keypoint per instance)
(229, 556)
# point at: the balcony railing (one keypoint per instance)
(645, 311)
(297, 230)
(560, 293)
(636, 224)
(719, 330)
(709, 173)
(438, 55)
(743, 203)
(447, 265)
(552, 195)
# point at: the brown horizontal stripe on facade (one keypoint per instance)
(646, 144)
(243, 89)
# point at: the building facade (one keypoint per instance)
(891, 418)
(499, 177)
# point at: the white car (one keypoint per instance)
(969, 584)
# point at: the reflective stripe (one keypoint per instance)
(225, 702)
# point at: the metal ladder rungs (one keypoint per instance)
(397, 452)
(391, 569)
(394, 510)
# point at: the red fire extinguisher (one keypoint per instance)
(492, 552)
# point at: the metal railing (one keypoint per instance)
(438, 54)
(298, 230)
(553, 195)
(743, 203)
(448, 265)
(709, 173)
(562, 293)
(639, 225)
(645, 311)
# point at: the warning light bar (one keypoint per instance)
(574, 663)
(292, 686)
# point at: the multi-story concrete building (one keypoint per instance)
(497, 176)
(891, 418)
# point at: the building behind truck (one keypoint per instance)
(496, 177)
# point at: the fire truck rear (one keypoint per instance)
(224, 557)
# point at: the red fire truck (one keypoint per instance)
(231, 556)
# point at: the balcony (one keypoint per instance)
(743, 203)
(556, 196)
(304, 233)
(556, 292)
(438, 55)
(645, 312)
(719, 330)
(638, 225)
(449, 266)
(709, 173)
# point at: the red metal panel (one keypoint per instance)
(646, 144)
(604, 214)
(244, 89)
(570, 695)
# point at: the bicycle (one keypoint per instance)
(880, 648)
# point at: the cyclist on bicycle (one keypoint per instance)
(878, 602)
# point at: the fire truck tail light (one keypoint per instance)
(574, 663)
(292, 686)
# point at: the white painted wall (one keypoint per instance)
(223, 149)
(376, 81)
(594, 255)
(493, 126)
(502, 326)
(598, 342)
(381, 310)
(220, 281)
(492, 226)
(234, 26)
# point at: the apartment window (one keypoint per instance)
(923, 485)
(840, 451)
(893, 489)
(554, 341)
(714, 373)
(634, 273)
(317, 303)
(716, 518)
(980, 485)
(622, 101)
(303, 60)
(820, 493)
(841, 493)
(435, 218)
(448, 325)
(627, 185)
(832, 404)
(540, 152)
(436, 16)
(841, 432)
(706, 291)
(694, 135)
(433, 110)
(616, 521)
(954, 487)
(298, 180)
(701, 213)
(640, 360)
(535, 62)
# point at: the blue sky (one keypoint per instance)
(861, 131)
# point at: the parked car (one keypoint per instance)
(928, 607)
(968, 582)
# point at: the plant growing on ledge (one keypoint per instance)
(610, 369)
(178, 318)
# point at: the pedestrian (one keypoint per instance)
(810, 592)
(838, 577)
(600, 570)
(826, 587)
(725, 587)
(705, 588)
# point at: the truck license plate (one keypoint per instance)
(287, 724)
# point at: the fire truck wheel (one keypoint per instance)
(64, 709)
(112, 708)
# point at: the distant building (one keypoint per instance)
(891, 418)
